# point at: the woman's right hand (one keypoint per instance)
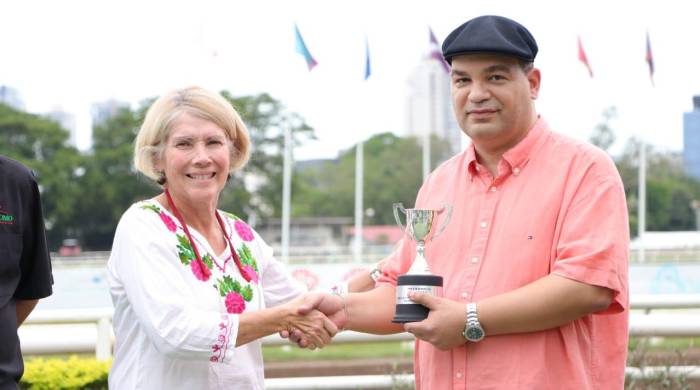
(313, 326)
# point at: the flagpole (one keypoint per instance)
(359, 192)
(431, 126)
(642, 203)
(286, 192)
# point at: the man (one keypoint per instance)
(535, 256)
(25, 267)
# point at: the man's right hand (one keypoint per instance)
(329, 304)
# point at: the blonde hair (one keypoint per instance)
(196, 101)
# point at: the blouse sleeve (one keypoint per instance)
(149, 290)
(278, 284)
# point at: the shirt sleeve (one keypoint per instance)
(593, 246)
(147, 283)
(278, 284)
(35, 264)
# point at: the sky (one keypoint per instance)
(69, 54)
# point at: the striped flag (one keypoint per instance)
(582, 57)
(436, 52)
(650, 60)
(368, 68)
(302, 49)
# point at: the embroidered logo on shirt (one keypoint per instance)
(529, 237)
(5, 217)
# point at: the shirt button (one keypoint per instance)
(465, 295)
(475, 259)
(483, 224)
(516, 171)
(493, 189)
(459, 375)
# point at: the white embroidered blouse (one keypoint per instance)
(176, 318)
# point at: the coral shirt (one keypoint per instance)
(557, 206)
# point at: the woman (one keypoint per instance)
(194, 288)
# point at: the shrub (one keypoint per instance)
(65, 374)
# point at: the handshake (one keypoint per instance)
(313, 319)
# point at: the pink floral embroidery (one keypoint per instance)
(221, 345)
(250, 271)
(243, 231)
(200, 270)
(169, 223)
(234, 303)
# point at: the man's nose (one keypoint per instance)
(479, 92)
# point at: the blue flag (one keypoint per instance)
(368, 68)
(303, 50)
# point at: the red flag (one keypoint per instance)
(650, 60)
(582, 57)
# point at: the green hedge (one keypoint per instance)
(65, 374)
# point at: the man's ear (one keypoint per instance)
(534, 78)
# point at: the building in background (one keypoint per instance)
(429, 104)
(691, 139)
(67, 122)
(11, 97)
(102, 111)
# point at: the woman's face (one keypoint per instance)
(196, 159)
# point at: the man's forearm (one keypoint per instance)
(372, 311)
(23, 308)
(544, 304)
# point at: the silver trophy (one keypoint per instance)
(421, 226)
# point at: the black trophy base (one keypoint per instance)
(406, 311)
(410, 313)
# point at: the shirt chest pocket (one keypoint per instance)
(10, 255)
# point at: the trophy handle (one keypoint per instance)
(447, 218)
(397, 207)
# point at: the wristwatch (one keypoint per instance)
(375, 274)
(472, 328)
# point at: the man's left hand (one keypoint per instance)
(444, 325)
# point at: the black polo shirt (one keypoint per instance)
(25, 267)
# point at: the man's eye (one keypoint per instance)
(497, 77)
(182, 144)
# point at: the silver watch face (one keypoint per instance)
(473, 333)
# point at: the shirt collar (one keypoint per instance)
(517, 156)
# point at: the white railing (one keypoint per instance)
(88, 330)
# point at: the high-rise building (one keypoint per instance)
(691, 139)
(11, 97)
(67, 122)
(429, 104)
(101, 111)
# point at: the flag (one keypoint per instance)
(582, 57)
(302, 49)
(650, 60)
(368, 68)
(436, 52)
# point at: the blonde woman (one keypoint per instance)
(195, 288)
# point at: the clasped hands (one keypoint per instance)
(443, 327)
(314, 318)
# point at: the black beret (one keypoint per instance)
(490, 34)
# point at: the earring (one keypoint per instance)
(161, 178)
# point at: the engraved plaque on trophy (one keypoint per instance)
(421, 226)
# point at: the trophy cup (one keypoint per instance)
(421, 227)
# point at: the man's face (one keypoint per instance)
(493, 98)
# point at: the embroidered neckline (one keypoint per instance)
(243, 271)
(234, 293)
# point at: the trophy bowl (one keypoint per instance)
(421, 227)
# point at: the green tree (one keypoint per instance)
(40, 143)
(266, 119)
(392, 173)
(110, 184)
